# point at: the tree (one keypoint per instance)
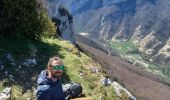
(24, 19)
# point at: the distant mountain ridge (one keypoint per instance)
(145, 21)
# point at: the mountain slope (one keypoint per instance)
(21, 62)
(145, 21)
(144, 85)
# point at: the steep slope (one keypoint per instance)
(146, 21)
(22, 59)
(143, 85)
(21, 62)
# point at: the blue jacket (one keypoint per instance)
(47, 89)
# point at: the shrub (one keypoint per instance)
(25, 19)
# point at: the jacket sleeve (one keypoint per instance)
(43, 92)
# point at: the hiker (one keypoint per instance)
(49, 81)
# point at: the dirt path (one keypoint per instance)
(143, 85)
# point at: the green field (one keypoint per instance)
(123, 47)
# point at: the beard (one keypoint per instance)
(57, 75)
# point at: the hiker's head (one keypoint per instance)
(55, 66)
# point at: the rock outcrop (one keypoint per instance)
(63, 19)
(163, 56)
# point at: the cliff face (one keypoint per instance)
(146, 21)
(63, 19)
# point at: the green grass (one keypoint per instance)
(1, 86)
(123, 47)
(21, 49)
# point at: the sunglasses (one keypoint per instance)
(56, 67)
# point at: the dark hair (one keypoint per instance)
(53, 58)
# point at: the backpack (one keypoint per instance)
(72, 90)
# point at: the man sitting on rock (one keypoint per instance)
(49, 81)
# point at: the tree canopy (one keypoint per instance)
(24, 19)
